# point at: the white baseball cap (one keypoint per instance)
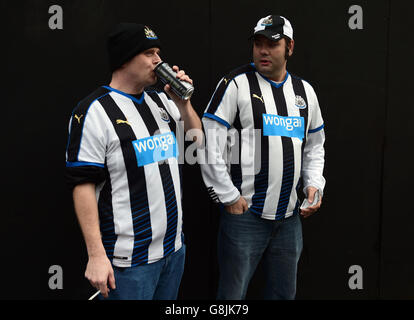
(274, 27)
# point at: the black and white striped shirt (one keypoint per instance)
(132, 144)
(279, 139)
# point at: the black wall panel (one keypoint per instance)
(362, 79)
(397, 279)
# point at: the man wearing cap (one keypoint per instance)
(264, 133)
(121, 163)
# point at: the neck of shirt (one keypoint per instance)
(136, 95)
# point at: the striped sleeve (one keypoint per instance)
(223, 104)
(86, 148)
(87, 141)
(314, 153)
(316, 121)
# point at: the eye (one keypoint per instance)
(258, 44)
(150, 53)
(273, 44)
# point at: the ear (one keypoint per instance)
(291, 47)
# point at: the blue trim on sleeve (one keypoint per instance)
(83, 163)
(214, 117)
(127, 95)
(316, 129)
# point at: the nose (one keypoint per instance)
(157, 59)
(263, 51)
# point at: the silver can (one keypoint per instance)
(168, 76)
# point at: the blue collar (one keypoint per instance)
(139, 101)
(276, 85)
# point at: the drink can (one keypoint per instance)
(168, 76)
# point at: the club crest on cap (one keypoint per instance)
(149, 33)
(300, 102)
(267, 21)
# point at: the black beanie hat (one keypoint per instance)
(127, 40)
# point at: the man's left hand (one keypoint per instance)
(311, 210)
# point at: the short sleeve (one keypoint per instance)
(223, 104)
(87, 142)
(316, 122)
(86, 149)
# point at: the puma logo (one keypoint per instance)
(119, 121)
(257, 97)
(78, 117)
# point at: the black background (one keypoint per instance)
(363, 82)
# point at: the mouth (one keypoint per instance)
(264, 62)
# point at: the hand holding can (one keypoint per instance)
(181, 88)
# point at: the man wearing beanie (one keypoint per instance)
(122, 164)
(277, 120)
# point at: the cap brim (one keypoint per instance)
(269, 35)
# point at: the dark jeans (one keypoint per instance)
(158, 281)
(244, 240)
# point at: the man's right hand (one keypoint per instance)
(239, 207)
(99, 272)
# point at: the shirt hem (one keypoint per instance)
(272, 216)
(128, 263)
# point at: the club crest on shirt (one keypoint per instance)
(164, 115)
(300, 102)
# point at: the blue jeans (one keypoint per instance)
(155, 281)
(244, 240)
